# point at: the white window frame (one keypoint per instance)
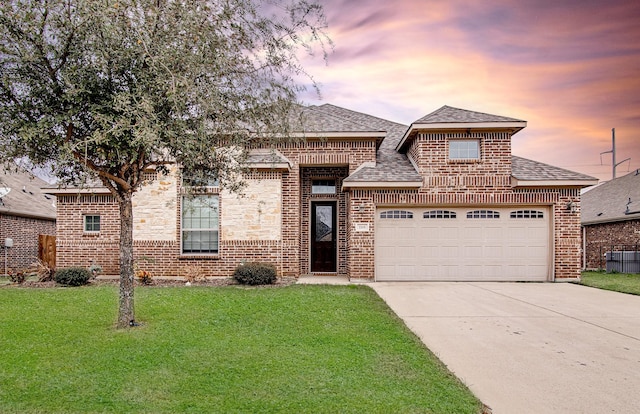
(464, 149)
(527, 214)
(186, 228)
(85, 223)
(439, 214)
(396, 215)
(483, 214)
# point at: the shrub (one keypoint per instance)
(95, 270)
(18, 277)
(193, 274)
(255, 273)
(144, 276)
(72, 276)
(41, 270)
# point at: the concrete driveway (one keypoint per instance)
(530, 347)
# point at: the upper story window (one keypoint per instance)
(92, 223)
(323, 187)
(464, 149)
(396, 214)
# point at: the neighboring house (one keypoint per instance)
(26, 212)
(358, 196)
(611, 219)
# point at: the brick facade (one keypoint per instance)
(24, 232)
(600, 238)
(484, 183)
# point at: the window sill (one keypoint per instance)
(464, 161)
(201, 256)
(91, 234)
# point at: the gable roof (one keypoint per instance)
(450, 118)
(25, 197)
(312, 121)
(531, 173)
(615, 200)
(449, 114)
(391, 168)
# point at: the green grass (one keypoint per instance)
(619, 282)
(296, 349)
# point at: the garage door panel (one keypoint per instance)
(462, 248)
(407, 253)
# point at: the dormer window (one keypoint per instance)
(464, 149)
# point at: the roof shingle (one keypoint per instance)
(25, 197)
(529, 170)
(449, 114)
(615, 200)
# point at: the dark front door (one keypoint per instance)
(323, 236)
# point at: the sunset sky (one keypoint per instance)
(571, 69)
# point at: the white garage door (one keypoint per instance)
(462, 244)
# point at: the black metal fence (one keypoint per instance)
(622, 258)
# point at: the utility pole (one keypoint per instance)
(613, 153)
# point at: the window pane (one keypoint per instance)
(396, 214)
(324, 223)
(483, 214)
(524, 214)
(464, 149)
(92, 223)
(200, 224)
(323, 187)
(438, 214)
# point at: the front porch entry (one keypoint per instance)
(324, 252)
(323, 225)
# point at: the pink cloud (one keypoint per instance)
(569, 68)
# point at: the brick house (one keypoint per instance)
(611, 219)
(357, 196)
(26, 212)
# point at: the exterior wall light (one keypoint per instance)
(572, 207)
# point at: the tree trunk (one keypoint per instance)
(125, 308)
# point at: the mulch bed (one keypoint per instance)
(154, 283)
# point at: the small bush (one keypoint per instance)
(18, 277)
(193, 274)
(255, 274)
(72, 276)
(40, 269)
(95, 270)
(144, 276)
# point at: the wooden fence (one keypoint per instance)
(47, 250)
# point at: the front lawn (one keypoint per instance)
(620, 282)
(296, 349)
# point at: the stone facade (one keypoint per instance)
(154, 207)
(256, 213)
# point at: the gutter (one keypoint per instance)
(611, 220)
